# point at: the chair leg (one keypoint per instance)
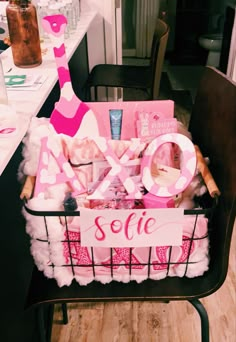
(50, 322)
(41, 325)
(64, 313)
(96, 93)
(88, 94)
(45, 331)
(204, 319)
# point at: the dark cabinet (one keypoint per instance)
(192, 4)
(191, 21)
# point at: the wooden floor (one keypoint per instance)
(149, 322)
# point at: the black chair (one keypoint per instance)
(212, 125)
(146, 78)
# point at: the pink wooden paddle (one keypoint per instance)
(70, 115)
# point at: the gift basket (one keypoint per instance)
(115, 190)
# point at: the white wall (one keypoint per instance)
(104, 45)
(231, 68)
(104, 37)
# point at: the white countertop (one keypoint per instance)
(28, 103)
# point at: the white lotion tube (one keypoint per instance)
(116, 123)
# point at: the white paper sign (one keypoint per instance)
(131, 228)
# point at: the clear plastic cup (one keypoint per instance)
(3, 90)
(42, 11)
(59, 8)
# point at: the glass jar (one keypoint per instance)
(24, 33)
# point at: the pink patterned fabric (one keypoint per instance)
(72, 261)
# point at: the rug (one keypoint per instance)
(185, 77)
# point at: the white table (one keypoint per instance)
(28, 103)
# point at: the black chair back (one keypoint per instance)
(213, 127)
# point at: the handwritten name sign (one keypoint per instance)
(131, 228)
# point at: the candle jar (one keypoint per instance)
(24, 33)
